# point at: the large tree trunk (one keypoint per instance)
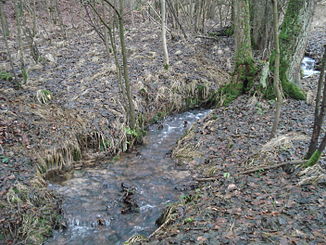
(293, 38)
(243, 55)
(261, 12)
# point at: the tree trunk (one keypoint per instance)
(165, 48)
(244, 63)
(132, 120)
(5, 37)
(19, 14)
(261, 12)
(319, 110)
(277, 85)
(293, 38)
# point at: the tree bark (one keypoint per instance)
(293, 38)
(164, 44)
(132, 120)
(243, 55)
(5, 37)
(277, 85)
(319, 110)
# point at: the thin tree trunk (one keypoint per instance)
(5, 37)
(19, 14)
(132, 120)
(164, 43)
(174, 13)
(319, 109)
(277, 85)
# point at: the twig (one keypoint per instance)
(207, 37)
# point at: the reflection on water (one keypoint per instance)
(93, 200)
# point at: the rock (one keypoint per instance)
(50, 58)
(232, 187)
(178, 52)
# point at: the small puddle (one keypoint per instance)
(308, 67)
(96, 209)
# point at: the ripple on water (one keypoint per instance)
(93, 200)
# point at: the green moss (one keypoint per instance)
(290, 90)
(158, 117)
(313, 159)
(230, 92)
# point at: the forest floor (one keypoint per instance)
(237, 199)
(85, 119)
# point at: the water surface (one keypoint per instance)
(93, 202)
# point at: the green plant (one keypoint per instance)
(158, 117)
(188, 220)
(226, 175)
(116, 158)
(104, 145)
(4, 159)
(5, 76)
(43, 96)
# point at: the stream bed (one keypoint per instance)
(108, 205)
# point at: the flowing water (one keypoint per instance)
(308, 67)
(94, 205)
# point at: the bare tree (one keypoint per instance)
(319, 114)
(165, 48)
(277, 85)
(5, 34)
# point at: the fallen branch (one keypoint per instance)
(207, 37)
(253, 170)
(296, 162)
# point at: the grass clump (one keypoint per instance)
(6, 76)
(30, 215)
(43, 96)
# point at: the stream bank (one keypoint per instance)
(126, 196)
(85, 121)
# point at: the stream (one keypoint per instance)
(96, 202)
(308, 67)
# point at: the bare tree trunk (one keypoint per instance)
(132, 119)
(165, 48)
(244, 63)
(19, 15)
(5, 37)
(60, 19)
(277, 85)
(319, 109)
